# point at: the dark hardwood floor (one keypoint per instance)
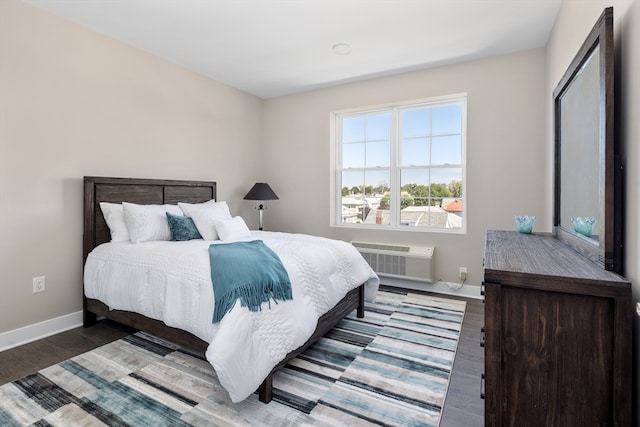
(29, 358)
(463, 406)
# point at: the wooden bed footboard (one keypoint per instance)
(354, 300)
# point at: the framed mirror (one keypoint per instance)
(587, 206)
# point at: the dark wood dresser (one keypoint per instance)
(558, 336)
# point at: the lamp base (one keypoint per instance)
(260, 209)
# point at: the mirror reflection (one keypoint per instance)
(580, 150)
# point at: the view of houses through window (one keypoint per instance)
(402, 165)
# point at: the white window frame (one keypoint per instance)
(396, 167)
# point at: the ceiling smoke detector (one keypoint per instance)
(341, 49)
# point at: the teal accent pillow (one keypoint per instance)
(182, 228)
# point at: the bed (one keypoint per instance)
(97, 243)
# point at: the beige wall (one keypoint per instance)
(575, 20)
(505, 153)
(75, 103)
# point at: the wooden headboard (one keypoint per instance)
(133, 190)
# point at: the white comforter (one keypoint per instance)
(171, 281)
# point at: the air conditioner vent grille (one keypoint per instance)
(409, 262)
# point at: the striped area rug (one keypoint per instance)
(390, 368)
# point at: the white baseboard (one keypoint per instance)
(440, 287)
(40, 330)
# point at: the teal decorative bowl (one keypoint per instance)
(525, 223)
(584, 225)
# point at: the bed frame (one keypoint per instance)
(160, 191)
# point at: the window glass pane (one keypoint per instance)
(446, 175)
(415, 151)
(414, 176)
(446, 150)
(353, 129)
(378, 181)
(353, 155)
(377, 198)
(362, 196)
(378, 154)
(446, 191)
(415, 201)
(414, 184)
(447, 119)
(378, 126)
(416, 122)
(352, 183)
(431, 198)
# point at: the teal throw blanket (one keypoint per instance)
(248, 271)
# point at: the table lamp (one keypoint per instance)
(262, 192)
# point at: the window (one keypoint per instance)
(401, 166)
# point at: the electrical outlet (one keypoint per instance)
(38, 284)
(462, 274)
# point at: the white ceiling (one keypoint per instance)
(271, 48)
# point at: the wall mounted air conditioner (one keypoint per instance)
(399, 261)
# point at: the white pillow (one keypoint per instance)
(114, 217)
(148, 222)
(204, 214)
(232, 229)
(186, 206)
